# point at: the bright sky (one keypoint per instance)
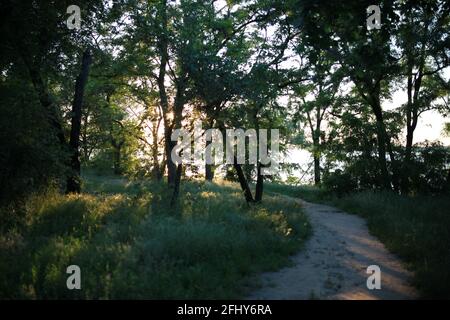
(431, 123)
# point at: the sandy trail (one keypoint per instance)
(334, 261)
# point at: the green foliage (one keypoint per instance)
(429, 173)
(30, 157)
(340, 182)
(126, 249)
(229, 66)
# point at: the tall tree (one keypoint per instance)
(366, 56)
(315, 100)
(73, 181)
(423, 38)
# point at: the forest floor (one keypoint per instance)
(334, 263)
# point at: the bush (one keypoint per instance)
(31, 157)
(340, 182)
(429, 169)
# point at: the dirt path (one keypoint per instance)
(334, 261)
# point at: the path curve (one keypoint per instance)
(334, 261)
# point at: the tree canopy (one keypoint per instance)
(109, 95)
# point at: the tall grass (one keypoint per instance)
(417, 229)
(306, 192)
(130, 244)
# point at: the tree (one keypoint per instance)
(325, 80)
(340, 29)
(423, 39)
(73, 182)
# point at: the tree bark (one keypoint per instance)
(174, 171)
(169, 145)
(382, 139)
(243, 182)
(73, 181)
(316, 169)
(381, 144)
(164, 101)
(412, 117)
(156, 170)
(259, 184)
(209, 168)
(315, 133)
(209, 172)
(176, 186)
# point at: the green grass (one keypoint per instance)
(417, 229)
(306, 192)
(130, 244)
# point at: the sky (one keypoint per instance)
(431, 123)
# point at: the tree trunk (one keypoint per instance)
(373, 99)
(209, 172)
(176, 186)
(381, 144)
(157, 173)
(175, 179)
(84, 135)
(164, 101)
(162, 167)
(409, 125)
(316, 155)
(316, 142)
(45, 98)
(156, 170)
(259, 184)
(243, 182)
(374, 102)
(168, 146)
(395, 167)
(316, 169)
(412, 118)
(209, 168)
(73, 181)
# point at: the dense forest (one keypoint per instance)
(92, 93)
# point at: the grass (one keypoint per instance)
(417, 229)
(129, 244)
(306, 192)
